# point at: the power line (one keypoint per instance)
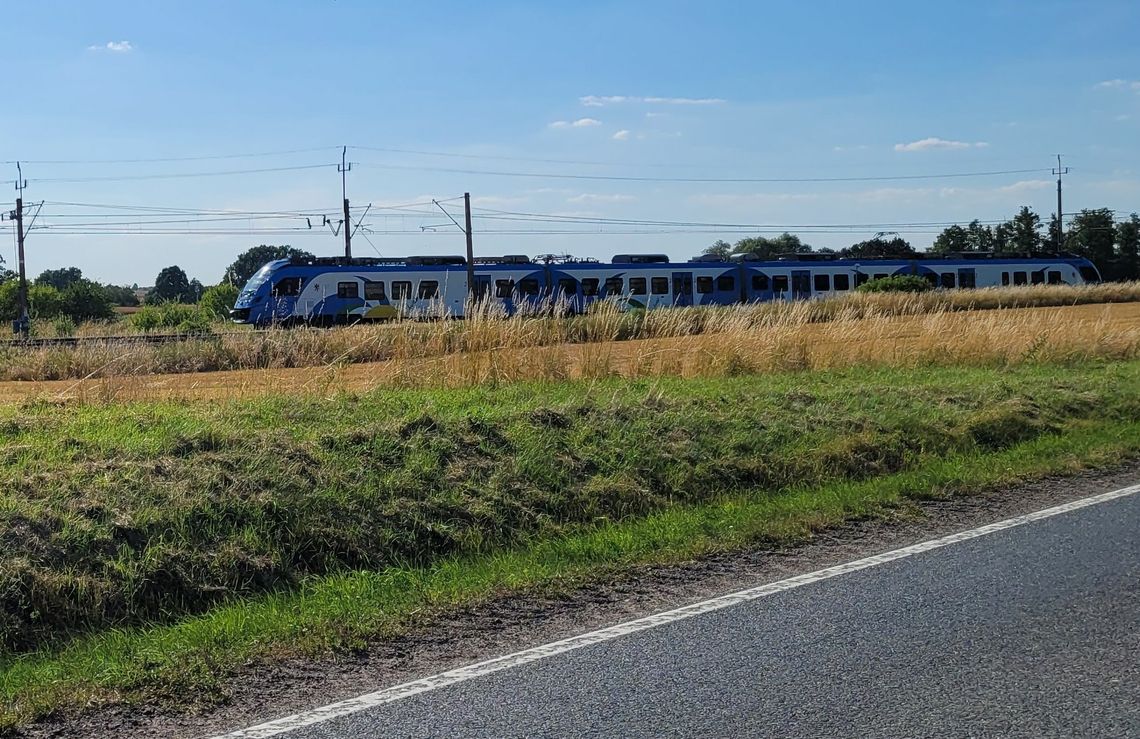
(181, 175)
(156, 160)
(701, 180)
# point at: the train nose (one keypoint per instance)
(239, 314)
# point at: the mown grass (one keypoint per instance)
(152, 547)
(488, 331)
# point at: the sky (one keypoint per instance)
(834, 120)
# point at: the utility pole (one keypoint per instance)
(470, 252)
(343, 169)
(22, 324)
(1060, 228)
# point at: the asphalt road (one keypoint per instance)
(1032, 631)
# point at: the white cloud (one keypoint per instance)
(934, 142)
(1026, 186)
(593, 197)
(622, 135)
(118, 47)
(1122, 117)
(598, 101)
(654, 114)
(580, 123)
(1119, 84)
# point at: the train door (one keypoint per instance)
(801, 284)
(482, 290)
(682, 288)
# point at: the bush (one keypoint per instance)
(188, 319)
(896, 284)
(218, 300)
(44, 301)
(84, 300)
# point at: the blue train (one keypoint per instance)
(329, 290)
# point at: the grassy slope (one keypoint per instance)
(357, 512)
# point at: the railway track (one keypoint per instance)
(73, 341)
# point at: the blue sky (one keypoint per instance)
(667, 90)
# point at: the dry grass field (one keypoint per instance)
(737, 344)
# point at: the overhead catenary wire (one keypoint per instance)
(700, 180)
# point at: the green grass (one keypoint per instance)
(150, 549)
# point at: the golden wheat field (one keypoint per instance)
(797, 342)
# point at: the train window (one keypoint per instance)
(1005, 278)
(504, 288)
(948, 279)
(614, 286)
(967, 278)
(932, 278)
(822, 283)
(1037, 277)
(780, 283)
(726, 283)
(842, 282)
(590, 286)
(1054, 277)
(637, 285)
(373, 290)
(568, 286)
(401, 290)
(428, 289)
(528, 286)
(759, 282)
(348, 289)
(287, 287)
(660, 285)
(881, 275)
(860, 278)
(1019, 278)
(704, 284)
(1089, 274)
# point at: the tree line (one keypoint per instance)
(1112, 245)
(66, 293)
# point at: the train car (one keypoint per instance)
(324, 291)
(803, 276)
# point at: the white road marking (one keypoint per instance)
(535, 654)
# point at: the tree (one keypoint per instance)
(1026, 235)
(121, 295)
(719, 248)
(766, 248)
(196, 290)
(951, 241)
(60, 278)
(252, 260)
(1092, 234)
(979, 237)
(1003, 236)
(880, 247)
(1053, 236)
(171, 286)
(219, 299)
(1128, 247)
(84, 300)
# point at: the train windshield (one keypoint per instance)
(1089, 273)
(256, 281)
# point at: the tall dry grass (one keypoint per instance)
(489, 340)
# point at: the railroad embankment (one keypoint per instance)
(151, 548)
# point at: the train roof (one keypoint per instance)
(521, 260)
